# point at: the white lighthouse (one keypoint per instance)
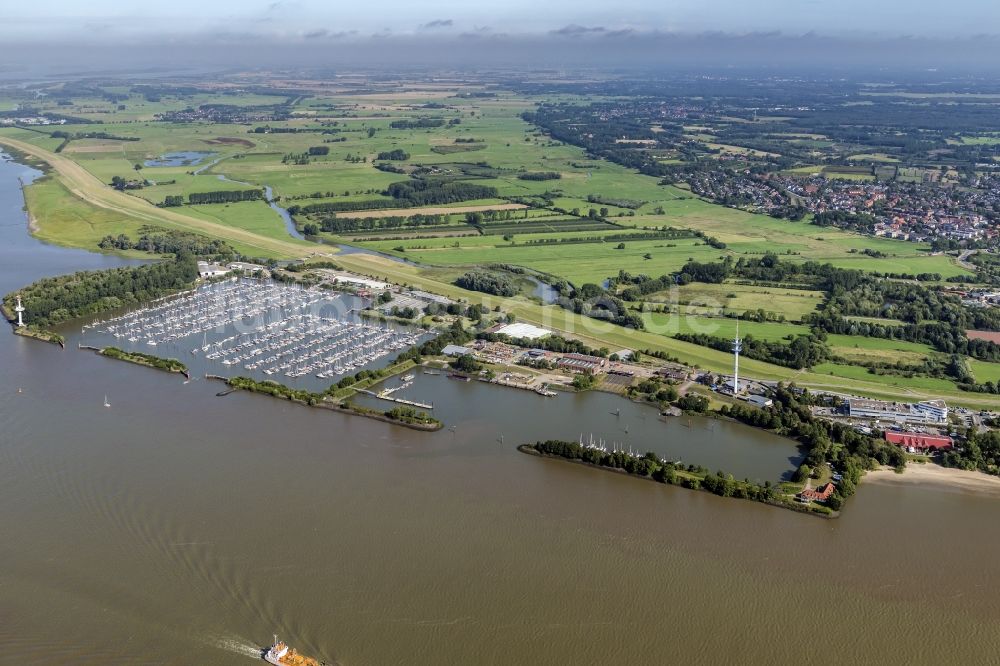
(19, 310)
(737, 348)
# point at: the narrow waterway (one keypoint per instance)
(176, 527)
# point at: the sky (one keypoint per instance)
(472, 33)
(309, 19)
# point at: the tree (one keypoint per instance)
(466, 363)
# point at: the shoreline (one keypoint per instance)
(528, 449)
(333, 406)
(936, 475)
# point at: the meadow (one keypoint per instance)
(483, 141)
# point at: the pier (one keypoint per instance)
(386, 395)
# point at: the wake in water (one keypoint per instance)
(237, 645)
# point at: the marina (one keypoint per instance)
(262, 329)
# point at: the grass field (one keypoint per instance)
(906, 383)
(672, 324)
(76, 207)
(984, 371)
(873, 350)
(738, 298)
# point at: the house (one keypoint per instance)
(820, 494)
(914, 442)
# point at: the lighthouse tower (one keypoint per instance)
(19, 310)
(737, 348)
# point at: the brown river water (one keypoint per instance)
(177, 527)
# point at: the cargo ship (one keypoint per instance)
(280, 654)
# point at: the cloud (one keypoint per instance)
(437, 24)
(574, 30)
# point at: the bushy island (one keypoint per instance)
(405, 416)
(56, 300)
(148, 360)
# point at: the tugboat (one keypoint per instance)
(280, 654)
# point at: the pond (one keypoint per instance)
(178, 159)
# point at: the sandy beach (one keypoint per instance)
(935, 474)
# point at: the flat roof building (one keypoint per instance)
(524, 331)
(455, 350)
(930, 411)
(206, 269)
(759, 400)
(581, 363)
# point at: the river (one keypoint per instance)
(181, 528)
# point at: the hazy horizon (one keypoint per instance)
(59, 36)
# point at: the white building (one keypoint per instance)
(207, 270)
(524, 331)
(931, 411)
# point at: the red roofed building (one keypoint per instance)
(918, 441)
(820, 494)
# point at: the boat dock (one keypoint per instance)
(386, 395)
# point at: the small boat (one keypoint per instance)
(106, 403)
(280, 654)
(408, 378)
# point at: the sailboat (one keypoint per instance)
(106, 403)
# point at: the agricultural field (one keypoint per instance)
(568, 214)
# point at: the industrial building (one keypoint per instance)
(523, 331)
(581, 363)
(930, 411)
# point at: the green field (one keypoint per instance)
(861, 349)
(984, 371)
(793, 304)
(75, 209)
(907, 383)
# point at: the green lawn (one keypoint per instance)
(859, 373)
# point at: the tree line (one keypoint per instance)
(225, 196)
(54, 300)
